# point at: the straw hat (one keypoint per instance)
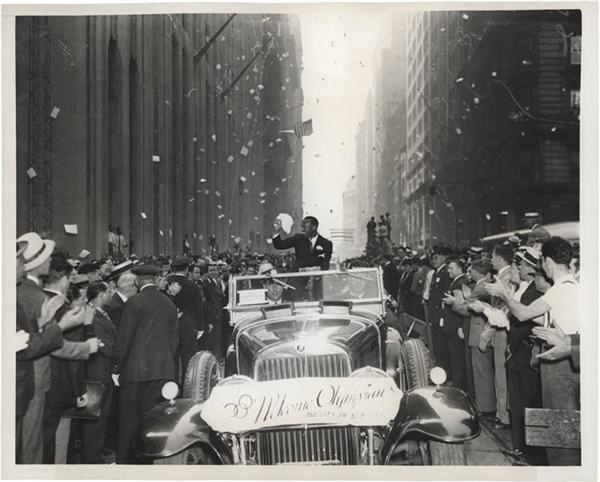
(38, 250)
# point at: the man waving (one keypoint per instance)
(310, 247)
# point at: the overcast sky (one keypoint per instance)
(337, 58)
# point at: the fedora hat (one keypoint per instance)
(38, 250)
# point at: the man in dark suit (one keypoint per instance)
(214, 296)
(145, 351)
(310, 247)
(454, 326)
(188, 299)
(440, 282)
(390, 276)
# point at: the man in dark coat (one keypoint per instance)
(214, 297)
(454, 326)
(390, 276)
(310, 247)
(145, 352)
(440, 282)
(188, 299)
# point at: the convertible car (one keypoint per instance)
(312, 376)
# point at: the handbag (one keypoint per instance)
(95, 394)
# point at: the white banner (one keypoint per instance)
(250, 406)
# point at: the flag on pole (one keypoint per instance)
(303, 128)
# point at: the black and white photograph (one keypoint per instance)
(298, 236)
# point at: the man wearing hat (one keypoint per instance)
(145, 355)
(189, 301)
(31, 298)
(123, 280)
(310, 247)
(440, 282)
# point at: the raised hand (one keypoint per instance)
(94, 344)
(72, 318)
(49, 307)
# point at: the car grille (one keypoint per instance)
(335, 365)
(329, 445)
(335, 445)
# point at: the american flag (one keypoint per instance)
(303, 128)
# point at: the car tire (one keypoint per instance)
(195, 455)
(417, 365)
(201, 376)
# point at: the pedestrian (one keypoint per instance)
(440, 282)
(560, 381)
(99, 369)
(145, 352)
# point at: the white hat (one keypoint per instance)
(286, 222)
(38, 250)
(530, 255)
(266, 268)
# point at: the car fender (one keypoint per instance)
(170, 427)
(444, 414)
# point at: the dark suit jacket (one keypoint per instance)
(114, 309)
(453, 320)
(390, 279)
(306, 256)
(518, 335)
(99, 366)
(190, 302)
(215, 299)
(148, 337)
(440, 283)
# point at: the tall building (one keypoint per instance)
(350, 226)
(493, 129)
(381, 137)
(163, 125)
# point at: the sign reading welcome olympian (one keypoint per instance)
(251, 406)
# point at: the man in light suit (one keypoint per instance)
(482, 362)
(502, 258)
(310, 247)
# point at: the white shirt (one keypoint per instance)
(427, 287)
(313, 241)
(122, 296)
(34, 279)
(146, 285)
(563, 299)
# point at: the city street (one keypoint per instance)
(340, 235)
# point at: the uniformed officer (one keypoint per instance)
(440, 283)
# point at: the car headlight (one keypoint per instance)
(437, 375)
(170, 391)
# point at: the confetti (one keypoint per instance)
(71, 228)
(256, 218)
(263, 201)
(217, 193)
(202, 179)
(250, 143)
(252, 91)
(553, 129)
(220, 216)
(458, 131)
(84, 253)
(214, 137)
(253, 173)
(170, 233)
(201, 237)
(244, 151)
(218, 67)
(31, 173)
(155, 158)
(243, 179)
(283, 87)
(249, 115)
(431, 211)
(476, 100)
(230, 159)
(245, 191)
(219, 207)
(206, 192)
(527, 63)
(523, 133)
(192, 199)
(494, 74)
(284, 179)
(143, 215)
(190, 92)
(55, 112)
(260, 87)
(195, 139)
(229, 112)
(488, 217)
(202, 149)
(160, 232)
(443, 29)
(230, 221)
(263, 194)
(195, 237)
(465, 16)
(460, 79)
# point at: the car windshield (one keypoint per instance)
(352, 285)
